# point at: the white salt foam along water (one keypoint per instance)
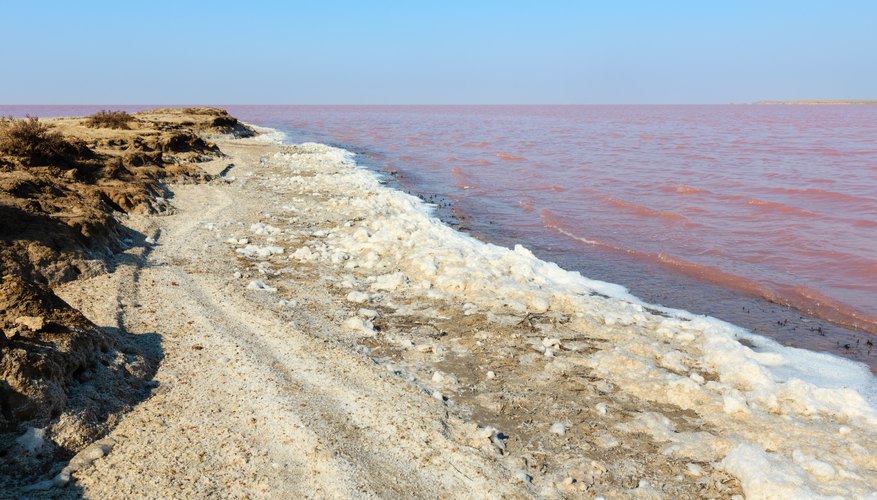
(784, 421)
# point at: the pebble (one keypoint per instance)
(491, 374)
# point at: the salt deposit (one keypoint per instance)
(260, 286)
(259, 252)
(759, 396)
(32, 439)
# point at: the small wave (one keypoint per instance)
(683, 189)
(798, 297)
(527, 205)
(825, 195)
(461, 180)
(641, 209)
(550, 220)
(482, 144)
(505, 156)
(773, 206)
(816, 304)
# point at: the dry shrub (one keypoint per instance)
(110, 119)
(34, 143)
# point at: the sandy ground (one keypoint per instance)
(273, 394)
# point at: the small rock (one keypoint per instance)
(558, 428)
(491, 374)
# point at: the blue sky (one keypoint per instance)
(435, 52)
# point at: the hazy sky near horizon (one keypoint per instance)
(435, 52)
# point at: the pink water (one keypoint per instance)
(776, 202)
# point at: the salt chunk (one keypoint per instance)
(389, 282)
(557, 428)
(491, 374)
(646, 490)
(734, 402)
(368, 313)
(32, 439)
(549, 343)
(305, 254)
(695, 470)
(264, 229)
(360, 325)
(357, 297)
(257, 252)
(601, 408)
(537, 304)
(260, 286)
(523, 477)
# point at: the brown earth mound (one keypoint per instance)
(63, 184)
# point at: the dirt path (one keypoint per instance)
(249, 405)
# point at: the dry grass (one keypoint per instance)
(34, 143)
(110, 119)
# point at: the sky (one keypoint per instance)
(435, 52)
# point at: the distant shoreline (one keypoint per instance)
(822, 101)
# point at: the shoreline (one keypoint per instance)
(308, 316)
(785, 323)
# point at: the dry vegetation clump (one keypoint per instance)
(110, 119)
(34, 143)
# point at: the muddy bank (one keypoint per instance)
(66, 187)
